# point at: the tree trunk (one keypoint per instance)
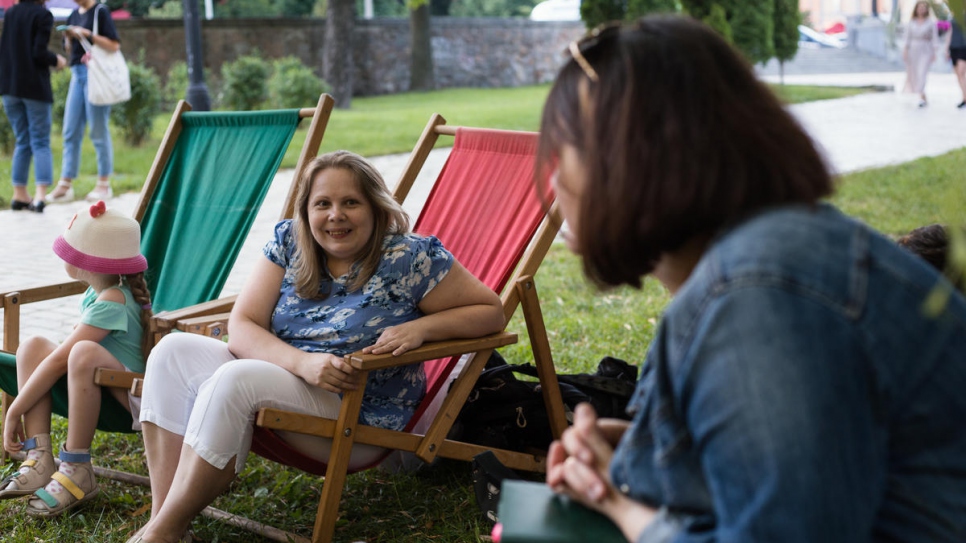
(421, 66)
(340, 22)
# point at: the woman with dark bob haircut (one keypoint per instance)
(795, 389)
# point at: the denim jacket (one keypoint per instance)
(797, 391)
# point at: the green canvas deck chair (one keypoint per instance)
(196, 207)
(485, 209)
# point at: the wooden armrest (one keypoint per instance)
(209, 325)
(168, 320)
(118, 379)
(46, 292)
(430, 351)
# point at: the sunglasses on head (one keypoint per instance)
(589, 41)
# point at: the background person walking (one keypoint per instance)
(79, 111)
(25, 64)
(922, 40)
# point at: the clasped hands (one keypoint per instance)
(578, 466)
(333, 373)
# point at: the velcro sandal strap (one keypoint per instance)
(48, 499)
(30, 444)
(68, 484)
(28, 463)
(77, 458)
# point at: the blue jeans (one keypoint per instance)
(30, 120)
(77, 114)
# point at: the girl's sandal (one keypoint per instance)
(37, 473)
(76, 487)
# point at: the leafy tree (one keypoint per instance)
(489, 8)
(421, 75)
(718, 20)
(786, 21)
(137, 8)
(700, 9)
(752, 28)
(340, 23)
(638, 8)
(245, 8)
(295, 8)
(595, 12)
(752, 25)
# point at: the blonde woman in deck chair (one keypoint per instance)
(344, 275)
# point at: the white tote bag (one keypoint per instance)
(108, 80)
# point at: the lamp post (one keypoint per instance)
(197, 95)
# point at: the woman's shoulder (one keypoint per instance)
(410, 243)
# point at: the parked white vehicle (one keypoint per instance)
(813, 39)
(556, 10)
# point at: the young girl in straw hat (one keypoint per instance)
(101, 247)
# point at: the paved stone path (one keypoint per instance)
(856, 133)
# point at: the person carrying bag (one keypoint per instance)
(90, 23)
(108, 80)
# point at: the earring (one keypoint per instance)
(120, 280)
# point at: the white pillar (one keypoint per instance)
(367, 11)
(209, 10)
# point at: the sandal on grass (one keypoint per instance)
(34, 473)
(72, 485)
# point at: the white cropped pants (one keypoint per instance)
(196, 388)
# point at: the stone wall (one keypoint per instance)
(467, 52)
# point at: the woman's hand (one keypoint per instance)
(578, 463)
(578, 466)
(13, 433)
(328, 372)
(398, 339)
(79, 32)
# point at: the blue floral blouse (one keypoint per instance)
(346, 321)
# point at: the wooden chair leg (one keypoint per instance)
(337, 470)
(543, 358)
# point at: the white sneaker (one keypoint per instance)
(99, 192)
(67, 196)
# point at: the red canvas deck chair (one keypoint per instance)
(484, 207)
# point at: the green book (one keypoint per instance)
(532, 513)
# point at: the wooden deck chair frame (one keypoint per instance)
(346, 431)
(162, 323)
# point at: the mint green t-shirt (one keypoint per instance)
(124, 323)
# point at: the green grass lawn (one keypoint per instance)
(437, 503)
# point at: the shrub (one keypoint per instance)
(134, 117)
(293, 84)
(176, 87)
(7, 139)
(60, 83)
(244, 83)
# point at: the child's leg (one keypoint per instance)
(85, 397)
(74, 482)
(30, 354)
(36, 470)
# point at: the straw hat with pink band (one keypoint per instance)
(102, 240)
